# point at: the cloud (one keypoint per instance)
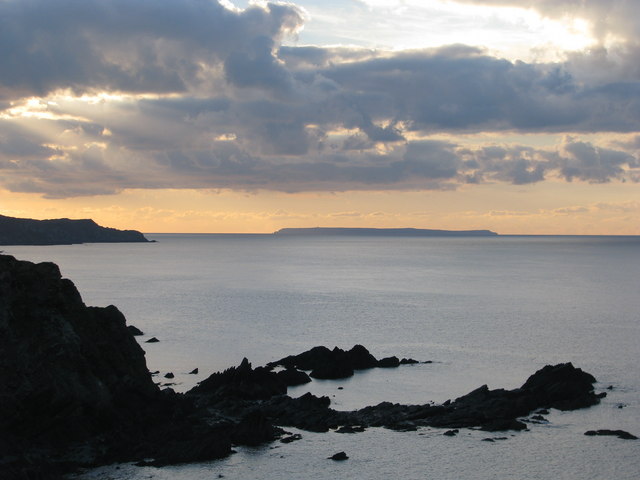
(606, 17)
(514, 164)
(190, 94)
(584, 161)
(131, 46)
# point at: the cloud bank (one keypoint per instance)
(98, 96)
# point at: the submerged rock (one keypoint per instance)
(614, 433)
(339, 456)
(291, 438)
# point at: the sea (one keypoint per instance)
(482, 310)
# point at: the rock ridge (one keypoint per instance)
(61, 231)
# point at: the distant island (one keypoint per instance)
(61, 231)
(385, 232)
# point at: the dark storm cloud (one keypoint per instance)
(124, 45)
(247, 113)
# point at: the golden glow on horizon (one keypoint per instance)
(563, 209)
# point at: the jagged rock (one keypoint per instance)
(194, 372)
(169, 375)
(451, 433)
(152, 340)
(336, 363)
(136, 332)
(360, 358)
(242, 382)
(307, 360)
(615, 433)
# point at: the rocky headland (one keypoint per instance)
(61, 231)
(77, 391)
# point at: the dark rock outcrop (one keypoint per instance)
(70, 372)
(339, 456)
(410, 361)
(292, 377)
(242, 382)
(336, 363)
(61, 231)
(76, 389)
(612, 433)
(556, 386)
(389, 362)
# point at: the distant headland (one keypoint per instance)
(61, 231)
(385, 232)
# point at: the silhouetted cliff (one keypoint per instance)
(61, 231)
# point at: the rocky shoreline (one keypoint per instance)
(77, 391)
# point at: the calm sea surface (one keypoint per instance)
(484, 310)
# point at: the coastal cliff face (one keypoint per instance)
(71, 372)
(62, 231)
(76, 390)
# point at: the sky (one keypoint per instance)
(205, 116)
